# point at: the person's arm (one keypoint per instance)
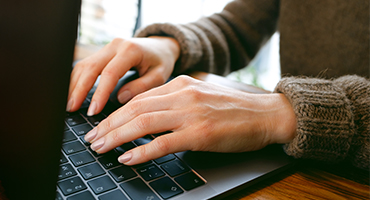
(333, 118)
(225, 41)
(218, 44)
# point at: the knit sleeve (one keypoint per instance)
(333, 118)
(222, 42)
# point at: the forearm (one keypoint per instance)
(222, 42)
(332, 118)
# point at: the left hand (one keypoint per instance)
(201, 116)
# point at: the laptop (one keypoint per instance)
(42, 151)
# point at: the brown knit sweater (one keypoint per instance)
(318, 38)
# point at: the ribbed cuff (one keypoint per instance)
(325, 125)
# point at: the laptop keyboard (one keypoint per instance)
(85, 175)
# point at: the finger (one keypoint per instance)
(84, 75)
(159, 147)
(147, 123)
(75, 75)
(110, 75)
(97, 60)
(128, 112)
(153, 78)
(82, 88)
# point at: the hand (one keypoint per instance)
(201, 116)
(153, 57)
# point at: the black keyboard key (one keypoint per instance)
(143, 140)
(66, 128)
(162, 133)
(91, 93)
(142, 164)
(66, 171)
(150, 172)
(91, 171)
(85, 104)
(101, 184)
(68, 136)
(82, 129)
(175, 167)
(63, 159)
(96, 119)
(125, 147)
(114, 195)
(164, 159)
(94, 153)
(82, 138)
(137, 189)
(128, 146)
(122, 173)
(58, 196)
(71, 185)
(166, 187)
(83, 111)
(68, 114)
(109, 160)
(81, 158)
(74, 120)
(189, 181)
(82, 196)
(119, 150)
(73, 147)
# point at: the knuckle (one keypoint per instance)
(143, 121)
(122, 44)
(106, 124)
(116, 41)
(134, 107)
(162, 144)
(130, 45)
(116, 136)
(192, 92)
(184, 80)
(110, 73)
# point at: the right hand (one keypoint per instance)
(154, 58)
(201, 117)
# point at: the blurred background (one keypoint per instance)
(103, 20)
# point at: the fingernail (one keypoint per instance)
(69, 105)
(125, 157)
(98, 144)
(92, 109)
(91, 135)
(124, 96)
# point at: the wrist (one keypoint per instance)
(171, 44)
(284, 124)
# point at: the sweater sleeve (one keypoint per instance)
(333, 118)
(222, 42)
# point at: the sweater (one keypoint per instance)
(324, 55)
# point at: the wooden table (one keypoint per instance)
(307, 180)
